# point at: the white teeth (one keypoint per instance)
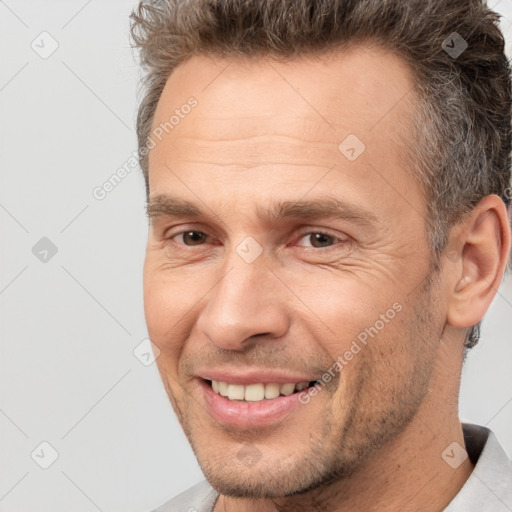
(271, 390)
(256, 392)
(223, 388)
(235, 392)
(287, 389)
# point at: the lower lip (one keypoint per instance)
(248, 414)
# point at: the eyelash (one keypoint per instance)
(303, 235)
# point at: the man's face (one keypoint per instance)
(263, 280)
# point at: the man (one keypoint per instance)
(327, 187)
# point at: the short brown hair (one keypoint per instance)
(461, 141)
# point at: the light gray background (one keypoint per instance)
(69, 326)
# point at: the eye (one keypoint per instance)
(318, 240)
(190, 237)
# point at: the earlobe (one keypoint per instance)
(482, 244)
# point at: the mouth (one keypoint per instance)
(255, 405)
(257, 392)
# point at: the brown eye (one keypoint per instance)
(318, 240)
(191, 237)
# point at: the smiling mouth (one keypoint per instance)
(257, 392)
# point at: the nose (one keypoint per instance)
(244, 306)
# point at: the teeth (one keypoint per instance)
(287, 389)
(256, 392)
(235, 392)
(271, 390)
(223, 388)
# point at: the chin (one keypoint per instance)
(273, 475)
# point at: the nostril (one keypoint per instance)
(260, 334)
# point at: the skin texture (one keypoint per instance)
(265, 132)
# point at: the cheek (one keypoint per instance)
(342, 308)
(163, 312)
(167, 308)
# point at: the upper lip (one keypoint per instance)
(252, 376)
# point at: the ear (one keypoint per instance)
(478, 250)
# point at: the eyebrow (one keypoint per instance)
(165, 205)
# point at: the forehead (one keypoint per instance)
(352, 88)
(290, 116)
